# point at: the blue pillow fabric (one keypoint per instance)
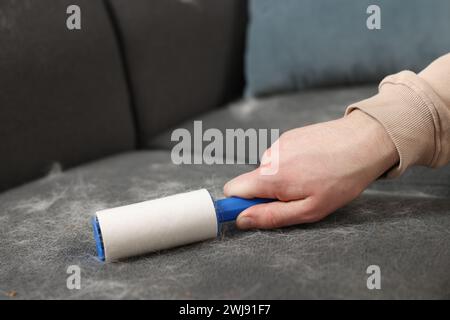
(298, 44)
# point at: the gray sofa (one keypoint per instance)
(85, 123)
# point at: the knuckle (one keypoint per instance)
(283, 194)
(272, 219)
(266, 179)
(312, 213)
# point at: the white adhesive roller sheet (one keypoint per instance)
(157, 224)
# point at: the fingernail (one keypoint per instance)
(244, 222)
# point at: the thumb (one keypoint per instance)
(250, 185)
(278, 214)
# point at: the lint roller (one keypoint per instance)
(163, 223)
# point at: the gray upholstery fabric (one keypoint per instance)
(418, 182)
(281, 112)
(63, 97)
(400, 225)
(183, 57)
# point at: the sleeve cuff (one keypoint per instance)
(405, 106)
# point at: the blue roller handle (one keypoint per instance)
(229, 208)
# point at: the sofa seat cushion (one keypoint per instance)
(283, 112)
(45, 228)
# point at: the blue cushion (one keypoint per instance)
(296, 44)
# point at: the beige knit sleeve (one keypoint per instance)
(415, 111)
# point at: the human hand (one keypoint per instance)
(321, 168)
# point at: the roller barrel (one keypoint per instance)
(155, 225)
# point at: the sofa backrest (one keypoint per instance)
(134, 69)
(183, 56)
(63, 96)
